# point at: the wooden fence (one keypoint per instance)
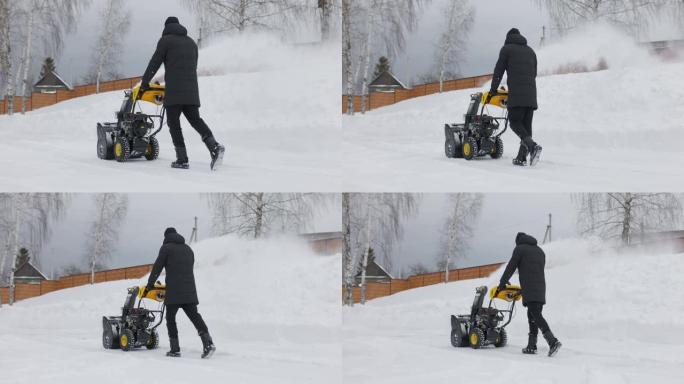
(27, 291)
(375, 290)
(382, 99)
(39, 100)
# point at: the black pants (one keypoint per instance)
(191, 311)
(535, 318)
(520, 119)
(191, 113)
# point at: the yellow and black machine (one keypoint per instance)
(485, 325)
(133, 134)
(137, 325)
(479, 135)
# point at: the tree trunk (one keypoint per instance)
(259, 222)
(346, 53)
(326, 11)
(627, 221)
(16, 199)
(5, 46)
(27, 61)
(348, 260)
(367, 250)
(366, 66)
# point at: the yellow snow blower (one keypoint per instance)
(485, 325)
(479, 135)
(133, 134)
(136, 327)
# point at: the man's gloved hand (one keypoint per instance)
(147, 289)
(490, 95)
(144, 87)
(501, 287)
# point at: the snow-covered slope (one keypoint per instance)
(619, 317)
(617, 129)
(273, 308)
(275, 106)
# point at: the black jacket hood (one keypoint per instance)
(516, 38)
(524, 238)
(175, 29)
(174, 238)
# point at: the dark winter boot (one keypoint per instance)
(216, 151)
(208, 344)
(531, 348)
(181, 159)
(554, 344)
(521, 159)
(534, 150)
(175, 348)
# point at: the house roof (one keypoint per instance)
(375, 269)
(386, 78)
(28, 270)
(52, 80)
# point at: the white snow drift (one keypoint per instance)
(618, 315)
(617, 129)
(273, 308)
(275, 106)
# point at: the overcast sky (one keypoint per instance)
(147, 23)
(142, 232)
(493, 18)
(502, 217)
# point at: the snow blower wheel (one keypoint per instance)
(476, 338)
(469, 148)
(126, 340)
(133, 127)
(479, 130)
(153, 340)
(152, 152)
(485, 325)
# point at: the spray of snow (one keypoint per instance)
(593, 47)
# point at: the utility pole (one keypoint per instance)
(547, 235)
(193, 236)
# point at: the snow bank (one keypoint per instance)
(593, 47)
(617, 314)
(272, 306)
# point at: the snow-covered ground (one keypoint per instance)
(618, 129)
(618, 315)
(272, 307)
(275, 106)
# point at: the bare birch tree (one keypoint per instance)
(259, 214)
(464, 210)
(631, 15)
(26, 222)
(347, 257)
(623, 215)
(376, 222)
(6, 7)
(460, 17)
(115, 22)
(110, 211)
(347, 62)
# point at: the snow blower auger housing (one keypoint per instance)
(485, 325)
(479, 135)
(137, 326)
(133, 134)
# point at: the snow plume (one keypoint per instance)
(590, 48)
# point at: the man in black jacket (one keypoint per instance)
(179, 54)
(529, 260)
(178, 259)
(519, 61)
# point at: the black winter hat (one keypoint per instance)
(171, 20)
(169, 230)
(513, 31)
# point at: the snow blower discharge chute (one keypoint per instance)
(133, 134)
(136, 327)
(479, 134)
(485, 325)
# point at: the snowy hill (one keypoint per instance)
(275, 106)
(616, 129)
(620, 321)
(273, 308)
